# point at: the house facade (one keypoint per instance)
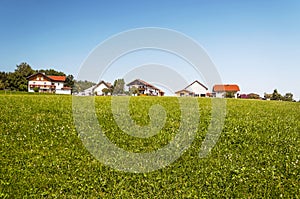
(47, 84)
(144, 88)
(195, 89)
(98, 89)
(221, 90)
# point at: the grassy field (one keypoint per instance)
(257, 155)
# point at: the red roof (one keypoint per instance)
(58, 78)
(226, 88)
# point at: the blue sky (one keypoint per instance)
(255, 44)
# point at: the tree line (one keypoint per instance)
(277, 96)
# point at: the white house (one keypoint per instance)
(98, 89)
(144, 88)
(86, 92)
(47, 84)
(195, 89)
(220, 90)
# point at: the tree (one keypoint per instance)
(3, 79)
(36, 89)
(267, 96)
(253, 96)
(229, 95)
(51, 72)
(70, 81)
(2, 86)
(24, 70)
(18, 79)
(276, 95)
(288, 97)
(133, 90)
(80, 85)
(119, 85)
(106, 91)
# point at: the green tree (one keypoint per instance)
(267, 96)
(51, 72)
(2, 86)
(3, 80)
(118, 87)
(229, 95)
(133, 90)
(276, 95)
(80, 85)
(253, 96)
(36, 89)
(18, 79)
(24, 70)
(288, 97)
(106, 91)
(70, 81)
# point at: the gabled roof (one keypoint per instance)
(186, 88)
(226, 88)
(50, 78)
(143, 83)
(196, 81)
(42, 74)
(107, 84)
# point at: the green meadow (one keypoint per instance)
(42, 156)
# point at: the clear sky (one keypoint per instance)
(255, 44)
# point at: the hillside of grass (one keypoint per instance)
(257, 155)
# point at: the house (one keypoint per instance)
(221, 90)
(195, 89)
(144, 88)
(86, 92)
(47, 84)
(98, 89)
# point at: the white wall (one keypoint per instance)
(197, 89)
(220, 94)
(59, 85)
(99, 88)
(39, 83)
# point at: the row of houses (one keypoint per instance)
(40, 82)
(195, 89)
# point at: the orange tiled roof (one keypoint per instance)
(58, 78)
(226, 88)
